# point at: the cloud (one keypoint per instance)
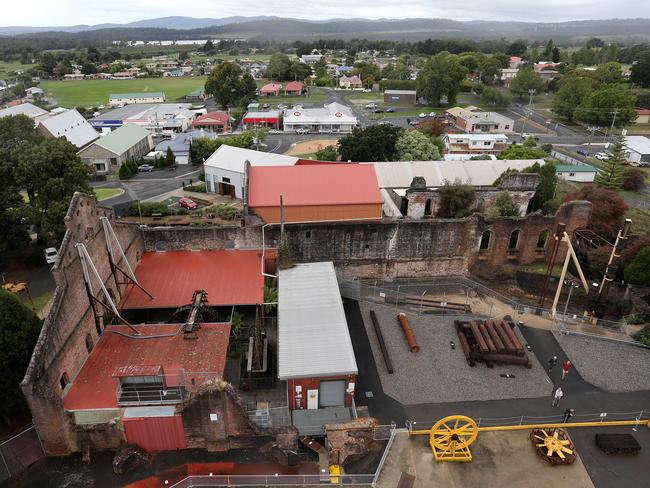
(70, 12)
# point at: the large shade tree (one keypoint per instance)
(229, 86)
(440, 77)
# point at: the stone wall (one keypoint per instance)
(61, 346)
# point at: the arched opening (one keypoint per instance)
(89, 343)
(427, 208)
(541, 240)
(64, 380)
(513, 242)
(484, 243)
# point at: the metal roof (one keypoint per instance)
(638, 144)
(399, 174)
(122, 139)
(23, 109)
(333, 113)
(476, 137)
(119, 96)
(575, 168)
(234, 158)
(313, 336)
(400, 92)
(71, 125)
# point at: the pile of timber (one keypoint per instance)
(429, 305)
(491, 342)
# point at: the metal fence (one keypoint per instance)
(276, 480)
(462, 296)
(268, 417)
(565, 157)
(19, 452)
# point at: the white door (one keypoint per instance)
(332, 393)
(312, 399)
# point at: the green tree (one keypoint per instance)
(555, 55)
(574, 90)
(278, 67)
(609, 73)
(525, 80)
(19, 329)
(183, 55)
(638, 271)
(607, 104)
(490, 70)
(229, 86)
(495, 97)
(548, 52)
(522, 152)
(595, 42)
(368, 72)
(504, 206)
(441, 76)
(456, 200)
(370, 144)
(585, 57)
(328, 153)
(88, 69)
(415, 146)
(470, 61)
(518, 48)
(208, 46)
(640, 73)
(270, 298)
(170, 159)
(611, 173)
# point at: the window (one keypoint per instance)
(308, 234)
(113, 161)
(541, 240)
(89, 343)
(484, 243)
(514, 241)
(572, 174)
(506, 127)
(427, 208)
(64, 380)
(486, 143)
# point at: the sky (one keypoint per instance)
(72, 12)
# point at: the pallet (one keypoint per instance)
(617, 443)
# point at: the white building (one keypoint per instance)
(224, 169)
(584, 173)
(71, 125)
(158, 118)
(117, 99)
(31, 111)
(475, 144)
(637, 150)
(333, 117)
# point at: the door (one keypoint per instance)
(332, 393)
(312, 399)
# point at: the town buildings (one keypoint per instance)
(400, 97)
(168, 117)
(350, 82)
(637, 150)
(117, 99)
(333, 117)
(583, 173)
(213, 122)
(70, 125)
(473, 120)
(269, 119)
(475, 144)
(180, 144)
(106, 154)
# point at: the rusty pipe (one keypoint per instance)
(408, 333)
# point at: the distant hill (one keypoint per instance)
(620, 30)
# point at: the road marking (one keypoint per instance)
(277, 146)
(186, 174)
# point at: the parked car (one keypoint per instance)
(414, 122)
(371, 105)
(377, 110)
(526, 135)
(188, 203)
(51, 254)
(583, 152)
(145, 168)
(297, 106)
(266, 106)
(302, 131)
(390, 109)
(422, 115)
(282, 106)
(275, 131)
(601, 156)
(367, 90)
(432, 114)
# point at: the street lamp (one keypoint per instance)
(572, 284)
(591, 130)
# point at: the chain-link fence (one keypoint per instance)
(266, 416)
(19, 452)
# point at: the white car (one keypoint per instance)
(302, 131)
(371, 105)
(275, 131)
(297, 107)
(367, 90)
(51, 255)
(601, 156)
(422, 115)
(281, 106)
(432, 114)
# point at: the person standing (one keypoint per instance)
(557, 397)
(568, 413)
(566, 366)
(552, 363)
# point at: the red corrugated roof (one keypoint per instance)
(326, 184)
(642, 111)
(181, 360)
(270, 88)
(211, 118)
(294, 86)
(255, 120)
(230, 277)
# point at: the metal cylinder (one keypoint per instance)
(408, 333)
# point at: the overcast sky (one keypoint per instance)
(70, 12)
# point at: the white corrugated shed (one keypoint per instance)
(313, 336)
(71, 125)
(234, 158)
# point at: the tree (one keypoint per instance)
(640, 73)
(490, 70)
(643, 99)
(548, 52)
(608, 209)
(183, 55)
(432, 127)
(609, 73)
(638, 271)
(525, 80)
(495, 97)
(370, 144)
(368, 72)
(328, 153)
(415, 146)
(504, 206)
(522, 152)
(555, 55)
(456, 200)
(633, 179)
(594, 42)
(607, 104)
(611, 174)
(518, 48)
(208, 46)
(574, 90)
(278, 67)
(170, 159)
(19, 329)
(584, 56)
(229, 86)
(470, 61)
(88, 69)
(441, 76)
(545, 190)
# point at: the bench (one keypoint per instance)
(617, 443)
(156, 216)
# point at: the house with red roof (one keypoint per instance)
(271, 90)
(310, 193)
(294, 88)
(642, 115)
(350, 82)
(213, 122)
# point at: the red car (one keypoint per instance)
(188, 203)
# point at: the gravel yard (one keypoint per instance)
(439, 374)
(612, 366)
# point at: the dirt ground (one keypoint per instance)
(308, 147)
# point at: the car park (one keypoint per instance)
(145, 168)
(188, 203)
(51, 255)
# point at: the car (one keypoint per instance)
(377, 110)
(367, 90)
(432, 114)
(101, 107)
(188, 203)
(583, 152)
(282, 106)
(601, 156)
(275, 131)
(51, 255)
(302, 131)
(266, 106)
(386, 122)
(414, 122)
(297, 106)
(422, 115)
(145, 168)
(390, 109)
(526, 135)
(371, 105)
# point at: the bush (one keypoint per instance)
(638, 271)
(224, 212)
(643, 336)
(128, 169)
(633, 179)
(200, 188)
(148, 208)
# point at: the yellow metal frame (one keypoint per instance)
(553, 445)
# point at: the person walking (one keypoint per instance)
(552, 363)
(566, 366)
(557, 397)
(568, 413)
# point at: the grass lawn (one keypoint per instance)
(91, 93)
(41, 301)
(306, 156)
(104, 193)
(351, 96)
(640, 221)
(6, 67)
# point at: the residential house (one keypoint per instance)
(637, 150)
(156, 117)
(475, 144)
(507, 75)
(76, 76)
(472, 120)
(311, 59)
(106, 155)
(642, 116)
(270, 90)
(350, 82)
(294, 88)
(70, 125)
(34, 92)
(123, 75)
(344, 70)
(213, 122)
(180, 144)
(515, 62)
(583, 173)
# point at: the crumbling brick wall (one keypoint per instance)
(61, 346)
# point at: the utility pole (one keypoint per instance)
(281, 218)
(531, 93)
(612, 264)
(610, 129)
(591, 130)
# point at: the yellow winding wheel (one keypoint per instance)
(553, 446)
(451, 437)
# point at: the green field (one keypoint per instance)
(105, 193)
(12, 66)
(91, 93)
